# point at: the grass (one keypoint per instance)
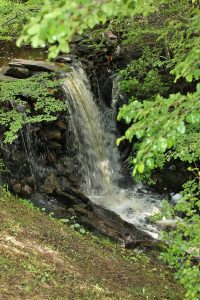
(41, 258)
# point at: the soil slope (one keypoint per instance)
(41, 258)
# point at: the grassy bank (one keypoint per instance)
(41, 258)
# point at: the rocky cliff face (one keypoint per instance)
(43, 157)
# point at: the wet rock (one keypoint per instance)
(21, 188)
(108, 223)
(65, 165)
(83, 49)
(175, 198)
(50, 204)
(61, 124)
(16, 72)
(17, 188)
(52, 134)
(27, 190)
(61, 188)
(34, 65)
(64, 59)
(71, 197)
(50, 185)
(54, 145)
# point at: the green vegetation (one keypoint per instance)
(142, 78)
(57, 28)
(14, 14)
(183, 251)
(43, 258)
(30, 100)
(158, 122)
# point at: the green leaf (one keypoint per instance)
(181, 128)
(119, 140)
(129, 134)
(189, 77)
(76, 225)
(150, 163)
(82, 231)
(162, 144)
(64, 221)
(170, 141)
(140, 168)
(190, 118)
(139, 133)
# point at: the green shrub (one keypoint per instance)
(28, 100)
(14, 14)
(183, 251)
(142, 78)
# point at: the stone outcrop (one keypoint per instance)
(38, 160)
(93, 217)
(33, 65)
(100, 220)
(22, 68)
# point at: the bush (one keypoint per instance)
(183, 251)
(28, 100)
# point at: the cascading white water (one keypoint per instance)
(98, 157)
(96, 169)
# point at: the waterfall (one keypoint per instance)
(98, 157)
(97, 172)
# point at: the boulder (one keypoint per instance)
(16, 72)
(175, 198)
(94, 217)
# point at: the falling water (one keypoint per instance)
(99, 160)
(96, 170)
